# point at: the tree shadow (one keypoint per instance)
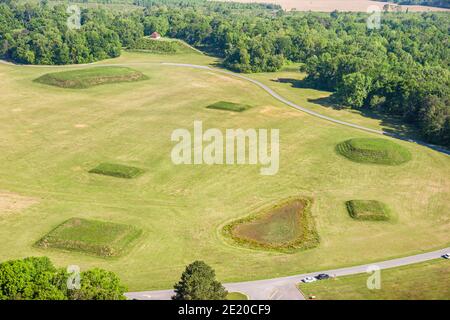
(296, 83)
(391, 125)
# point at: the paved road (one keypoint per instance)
(285, 288)
(310, 112)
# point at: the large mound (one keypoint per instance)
(85, 78)
(229, 106)
(368, 210)
(376, 151)
(90, 236)
(285, 227)
(161, 46)
(117, 170)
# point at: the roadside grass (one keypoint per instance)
(117, 170)
(105, 239)
(236, 296)
(374, 151)
(161, 46)
(183, 207)
(86, 78)
(422, 281)
(229, 106)
(286, 227)
(368, 210)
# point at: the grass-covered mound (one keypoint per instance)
(376, 151)
(286, 227)
(161, 46)
(85, 78)
(229, 106)
(100, 238)
(117, 170)
(368, 210)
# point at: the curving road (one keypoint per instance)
(300, 108)
(284, 288)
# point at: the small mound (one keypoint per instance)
(229, 106)
(161, 46)
(117, 170)
(100, 238)
(86, 78)
(368, 210)
(286, 227)
(375, 151)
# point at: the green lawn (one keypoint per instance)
(423, 281)
(236, 296)
(88, 77)
(52, 137)
(101, 238)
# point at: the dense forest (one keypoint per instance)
(400, 69)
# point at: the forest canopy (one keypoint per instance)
(400, 69)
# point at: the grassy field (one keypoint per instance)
(423, 281)
(236, 296)
(374, 151)
(89, 77)
(100, 238)
(369, 210)
(51, 137)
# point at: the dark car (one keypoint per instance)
(322, 276)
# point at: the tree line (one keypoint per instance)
(400, 69)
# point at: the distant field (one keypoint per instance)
(331, 5)
(423, 281)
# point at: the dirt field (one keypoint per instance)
(11, 202)
(331, 5)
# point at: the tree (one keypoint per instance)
(198, 282)
(98, 284)
(37, 279)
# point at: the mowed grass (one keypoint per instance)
(52, 137)
(117, 170)
(374, 151)
(229, 106)
(284, 227)
(368, 210)
(100, 238)
(236, 296)
(86, 78)
(423, 281)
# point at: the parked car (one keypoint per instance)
(322, 276)
(446, 256)
(308, 279)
